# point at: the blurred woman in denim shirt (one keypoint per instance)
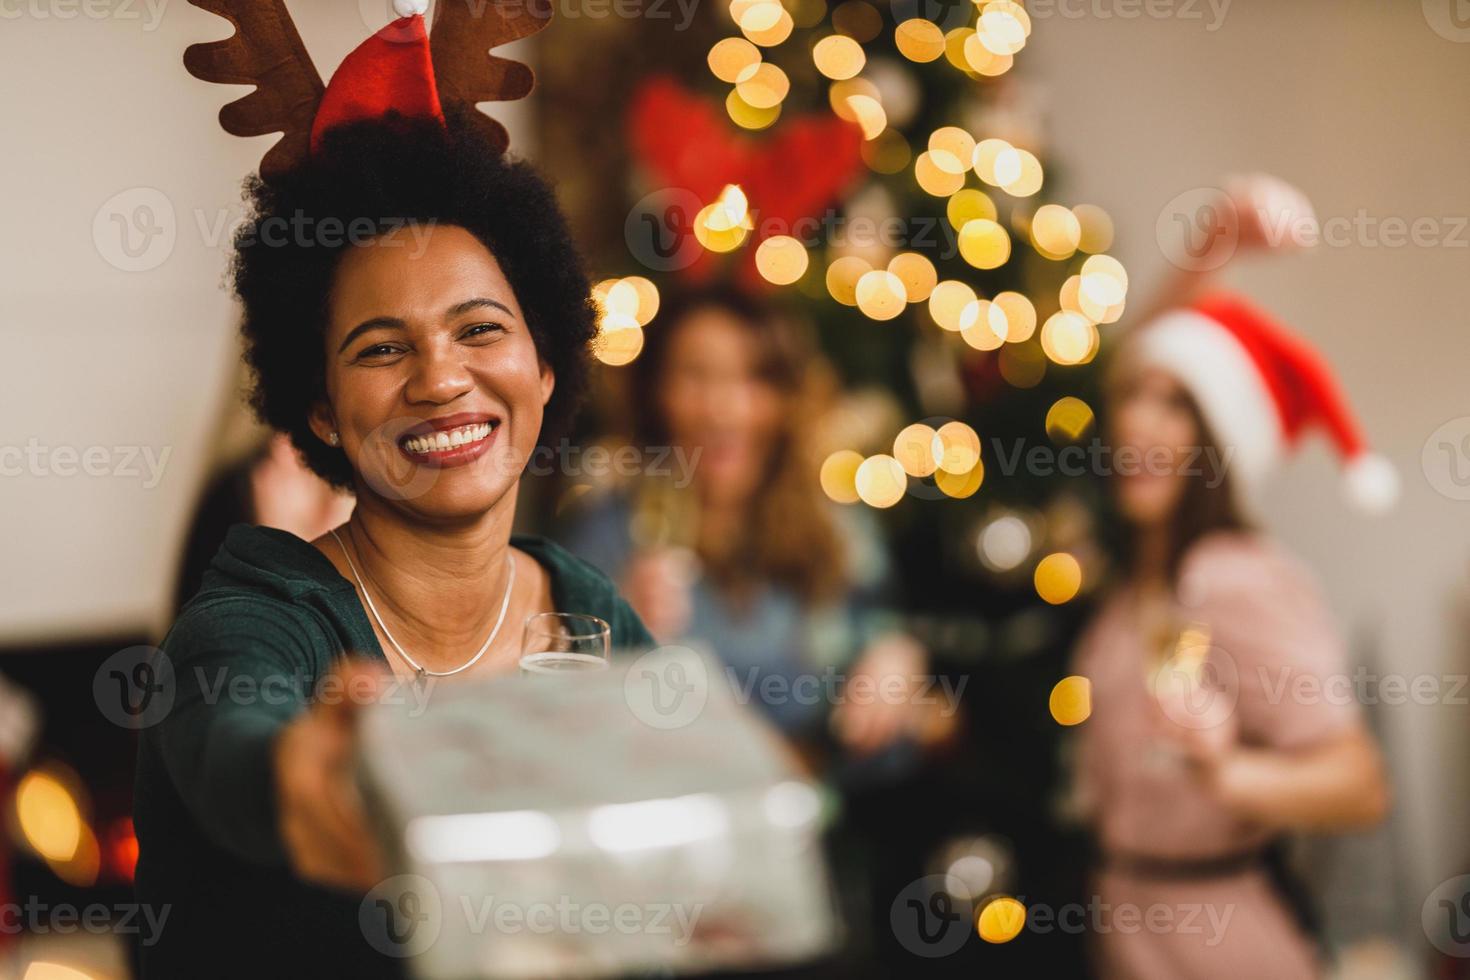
(737, 550)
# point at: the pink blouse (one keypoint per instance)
(1276, 666)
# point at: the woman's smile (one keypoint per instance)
(451, 440)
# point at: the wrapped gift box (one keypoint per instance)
(591, 824)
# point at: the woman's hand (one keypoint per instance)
(320, 813)
(881, 701)
(658, 585)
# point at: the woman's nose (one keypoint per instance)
(439, 376)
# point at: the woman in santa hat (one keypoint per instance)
(1218, 722)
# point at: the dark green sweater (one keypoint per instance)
(245, 653)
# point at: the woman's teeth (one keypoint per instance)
(448, 438)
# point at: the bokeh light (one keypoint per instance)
(839, 476)
(881, 481)
(781, 259)
(1058, 578)
(1001, 920)
(918, 450)
(1070, 702)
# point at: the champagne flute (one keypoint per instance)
(555, 643)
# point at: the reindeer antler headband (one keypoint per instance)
(400, 68)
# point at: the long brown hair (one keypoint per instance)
(1202, 509)
(791, 537)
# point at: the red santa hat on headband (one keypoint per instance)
(392, 70)
(1260, 388)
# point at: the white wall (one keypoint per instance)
(1363, 106)
(98, 354)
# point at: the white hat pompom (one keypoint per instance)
(410, 8)
(1372, 483)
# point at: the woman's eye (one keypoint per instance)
(377, 350)
(483, 329)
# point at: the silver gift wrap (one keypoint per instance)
(591, 824)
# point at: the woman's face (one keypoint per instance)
(1154, 435)
(433, 379)
(715, 401)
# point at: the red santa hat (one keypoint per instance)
(392, 70)
(1260, 388)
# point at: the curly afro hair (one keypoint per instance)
(369, 179)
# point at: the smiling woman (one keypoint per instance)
(424, 326)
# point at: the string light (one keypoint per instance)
(1058, 578)
(918, 450)
(838, 57)
(842, 278)
(984, 244)
(880, 294)
(1020, 316)
(1070, 702)
(947, 302)
(960, 485)
(1068, 338)
(1001, 920)
(919, 40)
(961, 448)
(1068, 419)
(916, 273)
(730, 58)
(881, 481)
(781, 260)
(839, 476)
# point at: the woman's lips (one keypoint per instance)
(448, 442)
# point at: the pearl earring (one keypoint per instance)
(334, 438)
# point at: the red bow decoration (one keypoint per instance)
(685, 141)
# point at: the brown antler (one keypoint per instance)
(265, 51)
(464, 32)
